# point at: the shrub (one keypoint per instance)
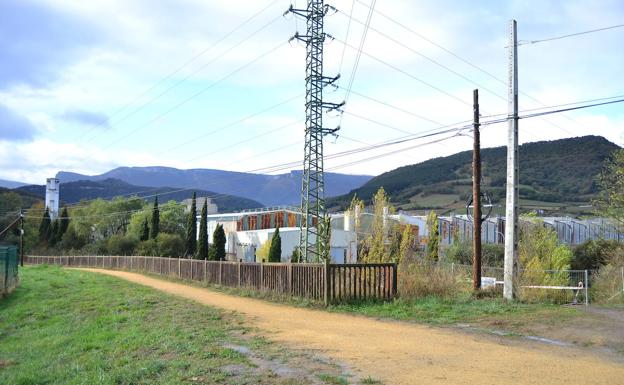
(71, 240)
(591, 255)
(148, 248)
(170, 245)
(607, 285)
(416, 280)
(121, 245)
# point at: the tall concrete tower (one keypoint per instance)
(52, 197)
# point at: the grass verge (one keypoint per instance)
(71, 327)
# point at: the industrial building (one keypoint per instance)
(569, 230)
(246, 231)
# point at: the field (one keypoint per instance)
(67, 326)
(70, 327)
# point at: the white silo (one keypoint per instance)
(52, 197)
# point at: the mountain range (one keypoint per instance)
(73, 192)
(559, 171)
(269, 190)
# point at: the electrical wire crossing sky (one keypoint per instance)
(209, 85)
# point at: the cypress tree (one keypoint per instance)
(44, 227)
(275, 252)
(155, 229)
(63, 224)
(54, 231)
(144, 230)
(433, 243)
(202, 249)
(218, 242)
(191, 229)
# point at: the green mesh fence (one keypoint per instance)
(8, 269)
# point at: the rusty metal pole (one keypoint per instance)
(476, 195)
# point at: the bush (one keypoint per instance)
(148, 248)
(417, 280)
(71, 240)
(121, 245)
(170, 245)
(607, 285)
(592, 254)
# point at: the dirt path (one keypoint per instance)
(402, 353)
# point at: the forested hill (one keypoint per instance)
(562, 170)
(73, 192)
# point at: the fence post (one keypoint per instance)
(290, 288)
(179, 268)
(220, 272)
(261, 276)
(586, 288)
(238, 269)
(326, 298)
(394, 279)
(206, 271)
(191, 262)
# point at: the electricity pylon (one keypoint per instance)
(313, 180)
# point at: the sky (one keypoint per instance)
(88, 86)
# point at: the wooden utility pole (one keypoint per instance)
(511, 203)
(476, 195)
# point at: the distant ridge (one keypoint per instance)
(73, 192)
(11, 184)
(270, 190)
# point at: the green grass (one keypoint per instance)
(466, 309)
(333, 380)
(71, 327)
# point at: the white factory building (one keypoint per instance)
(52, 197)
(246, 231)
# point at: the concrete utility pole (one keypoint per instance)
(21, 238)
(476, 195)
(511, 204)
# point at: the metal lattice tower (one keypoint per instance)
(313, 183)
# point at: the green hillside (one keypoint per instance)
(552, 174)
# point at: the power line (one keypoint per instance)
(344, 48)
(428, 58)
(393, 106)
(179, 68)
(236, 122)
(569, 109)
(200, 92)
(406, 73)
(359, 50)
(525, 42)
(469, 63)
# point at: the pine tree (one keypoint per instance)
(144, 230)
(202, 249)
(218, 241)
(63, 224)
(155, 229)
(275, 252)
(191, 229)
(44, 227)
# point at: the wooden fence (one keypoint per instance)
(314, 281)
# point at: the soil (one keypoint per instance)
(406, 353)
